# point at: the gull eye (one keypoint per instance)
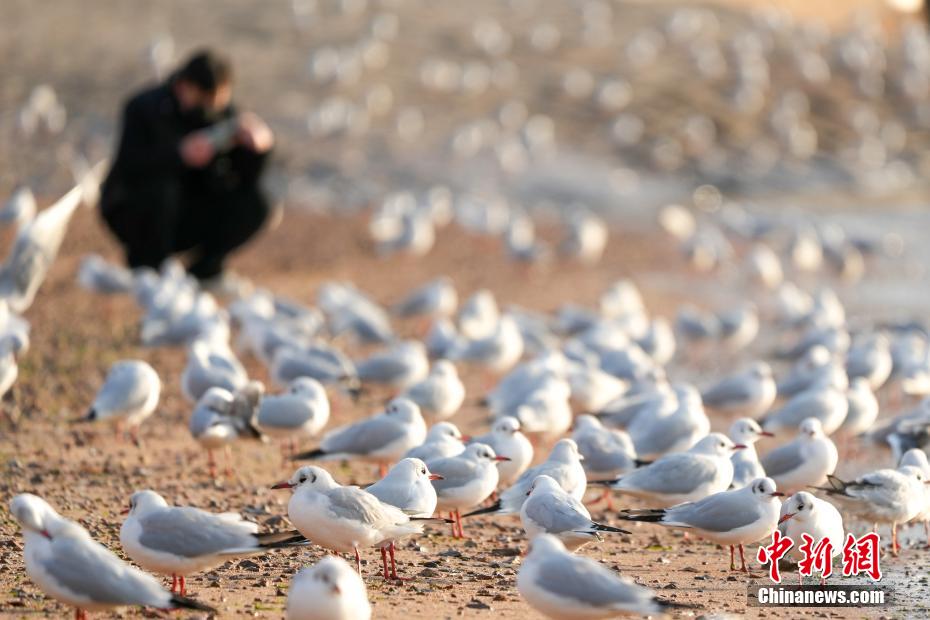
(303, 479)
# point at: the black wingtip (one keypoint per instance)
(279, 540)
(645, 515)
(90, 416)
(178, 601)
(666, 604)
(496, 506)
(600, 527)
(432, 519)
(309, 455)
(642, 462)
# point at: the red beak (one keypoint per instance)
(739, 446)
(466, 438)
(46, 534)
(786, 517)
(777, 494)
(283, 485)
(501, 458)
(125, 511)
(767, 434)
(436, 477)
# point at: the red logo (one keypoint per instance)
(859, 556)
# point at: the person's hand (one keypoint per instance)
(254, 134)
(196, 149)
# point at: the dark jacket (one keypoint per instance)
(148, 152)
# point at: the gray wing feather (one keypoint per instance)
(355, 504)
(456, 472)
(86, 567)
(363, 437)
(783, 459)
(717, 513)
(731, 389)
(676, 473)
(283, 412)
(125, 388)
(557, 514)
(586, 581)
(189, 532)
(380, 368)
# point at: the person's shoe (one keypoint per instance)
(228, 284)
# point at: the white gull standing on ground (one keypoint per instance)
(68, 565)
(221, 417)
(803, 513)
(440, 394)
(550, 510)
(442, 439)
(749, 393)
(746, 465)
(703, 470)
(506, 439)
(128, 396)
(805, 461)
(565, 586)
(735, 518)
(408, 486)
(179, 541)
(299, 412)
(382, 438)
(465, 480)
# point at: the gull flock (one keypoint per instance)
(586, 404)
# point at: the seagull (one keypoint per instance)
(738, 326)
(343, 518)
(20, 208)
(35, 249)
(870, 359)
(918, 458)
(221, 417)
(550, 510)
(562, 465)
(585, 238)
(97, 275)
(805, 461)
(408, 486)
(565, 586)
(302, 411)
(328, 590)
(592, 389)
(179, 541)
(689, 476)
(479, 315)
(670, 430)
(816, 368)
(802, 513)
(465, 480)
(893, 496)
(746, 394)
(68, 565)
(322, 362)
(441, 394)
(607, 453)
(826, 404)
(441, 338)
(862, 408)
(443, 439)
(498, 351)
(129, 395)
(746, 465)
(735, 518)
(211, 365)
(434, 299)
(506, 439)
(382, 438)
(400, 366)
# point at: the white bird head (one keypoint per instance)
(799, 506)
(565, 451)
(309, 477)
(411, 470)
(483, 452)
(404, 409)
(544, 544)
(444, 369)
(587, 422)
(915, 457)
(307, 387)
(141, 502)
(812, 428)
(716, 444)
(330, 577)
(544, 484)
(764, 489)
(507, 425)
(32, 512)
(914, 472)
(443, 431)
(761, 370)
(216, 399)
(746, 431)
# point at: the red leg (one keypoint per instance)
(382, 469)
(732, 552)
(384, 570)
(742, 558)
(228, 452)
(894, 539)
(455, 532)
(458, 519)
(211, 463)
(610, 499)
(358, 562)
(183, 586)
(174, 583)
(394, 565)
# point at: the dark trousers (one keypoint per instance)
(162, 217)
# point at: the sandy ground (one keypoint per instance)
(89, 476)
